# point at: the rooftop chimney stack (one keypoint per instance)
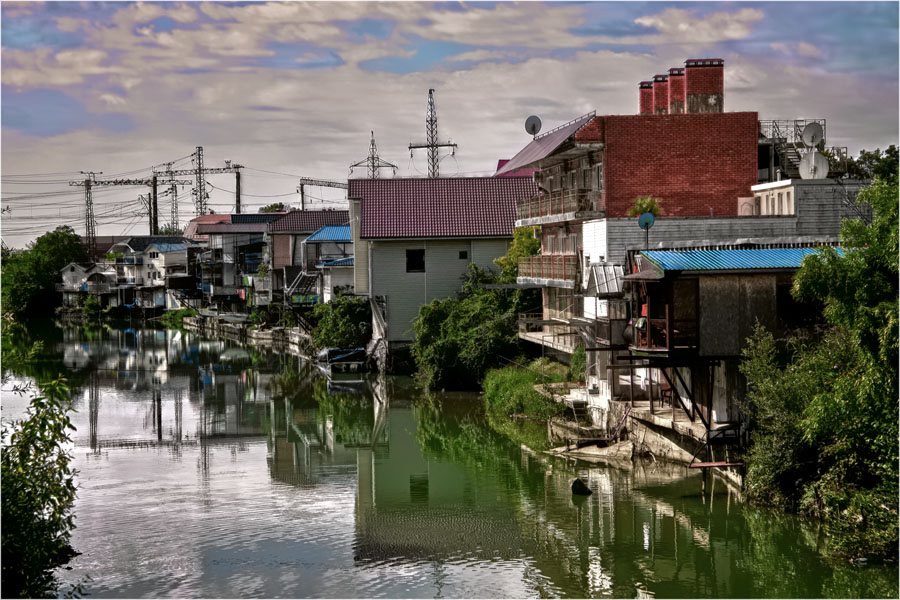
(646, 99)
(660, 94)
(704, 86)
(676, 91)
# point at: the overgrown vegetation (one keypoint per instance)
(645, 204)
(510, 391)
(824, 412)
(174, 319)
(30, 275)
(459, 339)
(38, 494)
(345, 322)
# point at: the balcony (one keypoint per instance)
(664, 335)
(560, 205)
(552, 270)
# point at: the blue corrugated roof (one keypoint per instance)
(706, 260)
(162, 247)
(341, 262)
(331, 233)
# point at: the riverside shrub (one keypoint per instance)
(345, 322)
(510, 391)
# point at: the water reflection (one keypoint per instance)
(210, 469)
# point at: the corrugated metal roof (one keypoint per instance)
(341, 262)
(331, 233)
(256, 217)
(605, 280)
(543, 145)
(727, 260)
(443, 207)
(232, 228)
(308, 221)
(165, 248)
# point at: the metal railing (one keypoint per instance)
(560, 267)
(560, 202)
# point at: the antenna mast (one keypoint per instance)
(373, 162)
(431, 138)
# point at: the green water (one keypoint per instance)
(207, 469)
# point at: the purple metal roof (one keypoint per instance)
(308, 221)
(543, 145)
(206, 229)
(444, 207)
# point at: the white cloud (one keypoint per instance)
(681, 26)
(112, 99)
(480, 55)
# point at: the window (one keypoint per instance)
(463, 255)
(415, 261)
(788, 205)
(780, 203)
(154, 255)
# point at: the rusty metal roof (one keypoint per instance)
(543, 145)
(729, 260)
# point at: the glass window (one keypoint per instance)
(463, 255)
(415, 261)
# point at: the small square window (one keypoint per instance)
(415, 261)
(463, 255)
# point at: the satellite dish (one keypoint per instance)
(814, 166)
(646, 221)
(812, 135)
(533, 125)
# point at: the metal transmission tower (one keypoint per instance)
(373, 162)
(198, 171)
(431, 138)
(90, 224)
(304, 181)
(91, 181)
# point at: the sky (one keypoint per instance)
(290, 89)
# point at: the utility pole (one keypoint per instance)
(304, 181)
(431, 138)
(372, 162)
(90, 224)
(198, 171)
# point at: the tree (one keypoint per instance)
(873, 163)
(825, 415)
(524, 244)
(38, 494)
(274, 208)
(345, 322)
(169, 229)
(29, 277)
(645, 204)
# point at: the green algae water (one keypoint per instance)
(210, 469)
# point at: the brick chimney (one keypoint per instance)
(660, 94)
(704, 86)
(646, 99)
(676, 91)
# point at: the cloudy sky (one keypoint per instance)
(293, 89)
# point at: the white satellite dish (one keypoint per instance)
(814, 165)
(812, 135)
(533, 125)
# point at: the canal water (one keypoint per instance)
(209, 469)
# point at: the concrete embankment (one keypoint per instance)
(282, 339)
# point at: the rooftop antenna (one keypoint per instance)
(533, 125)
(372, 162)
(431, 138)
(814, 164)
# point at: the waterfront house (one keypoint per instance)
(79, 279)
(414, 240)
(331, 248)
(293, 274)
(144, 264)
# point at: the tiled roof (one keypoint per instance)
(256, 217)
(544, 145)
(331, 233)
(341, 262)
(232, 228)
(440, 207)
(523, 172)
(722, 260)
(190, 230)
(308, 221)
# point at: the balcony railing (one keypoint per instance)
(130, 260)
(559, 202)
(542, 266)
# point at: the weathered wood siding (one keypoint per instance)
(360, 252)
(730, 305)
(281, 250)
(406, 292)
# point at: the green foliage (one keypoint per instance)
(458, 339)
(524, 244)
(873, 163)
(175, 318)
(38, 493)
(29, 276)
(345, 322)
(825, 416)
(274, 207)
(577, 365)
(510, 391)
(169, 229)
(645, 204)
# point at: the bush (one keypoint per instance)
(345, 322)
(38, 493)
(510, 391)
(577, 365)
